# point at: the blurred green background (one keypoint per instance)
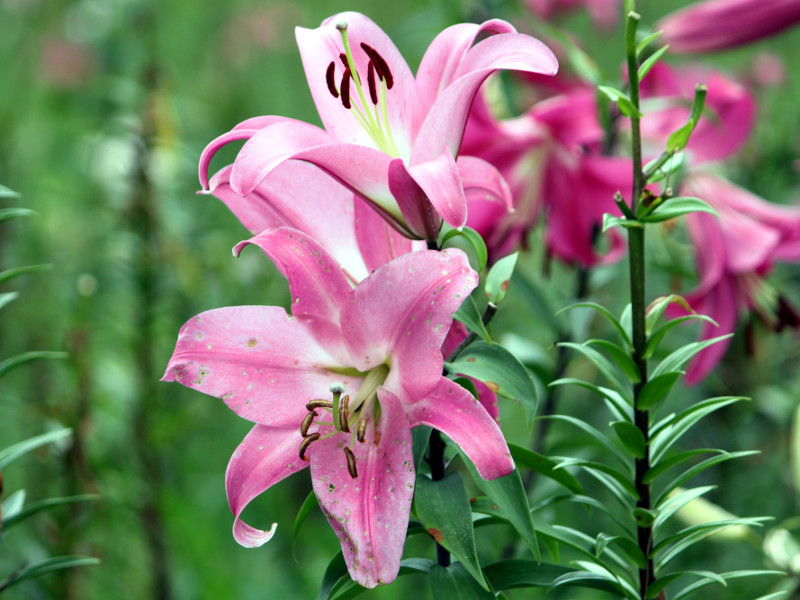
(106, 106)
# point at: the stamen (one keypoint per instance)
(351, 462)
(309, 419)
(381, 66)
(343, 415)
(361, 429)
(307, 441)
(329, 79)
(373, 91)
(345, 87)
(318, 403)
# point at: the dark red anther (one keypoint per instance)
(329, 79)
(381, 66)
(373, 90)
(343, 58)
(345, 88)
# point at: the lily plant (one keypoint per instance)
(391, 138)
(338, 386)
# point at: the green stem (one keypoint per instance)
(637, 287)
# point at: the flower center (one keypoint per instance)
(358, 417)
(372, 115)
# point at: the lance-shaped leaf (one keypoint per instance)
(454, 581)
(499, 277)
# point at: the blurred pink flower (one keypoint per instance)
(604, 12)
(389, 137)
(734, 254)
(551, 159)
(718, 24)
(727, 120)
(380, 345)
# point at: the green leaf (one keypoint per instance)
(598, 436)
(795, 448)
(499, 276)
(679, 138)
(621, 358)
(12, 517)
(624, 480)
(20, 359)
(618, 404)
(6, 192)
(13, 505)
(469, 314)
(501, 371)
(644, 517)
(655, 390)
(545, 466)
(21, 448)
(651, 60)
(664, 580)
(677, 207)
(420, 437)
(13, 213)
(677, 359)
(7, 297)
(657, 336)
(625, 104)
(657, 307)
(623, 334)
(670, 165)
(305, 509)
(610, 221)
(443, 508)
(510, 497)
(336, 570)
(690, 589)
(9, 274)
(676, 501)
(474, 242)
(49, 565)
(521, 573)
(631, 437)
(673, 460)
(646, 41)
(700, 467)
(667, 431)
(599, 581)
(605, 366)
(454, 581)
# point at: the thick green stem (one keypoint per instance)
(637, 286)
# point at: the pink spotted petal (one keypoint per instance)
(414, 204)
(378, 242)
(319, 47)
(264, 365)
(266, 456)
(445, 122)
(319, 288)
(452, 410)
(486, 396)
(442, 58)
(370, 513)
(404, 311)
(483, 182)
(295, 195)
(439, 179)
(243, 131)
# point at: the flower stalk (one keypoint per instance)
(638, 305)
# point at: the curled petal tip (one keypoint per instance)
(250, 537)
(237, 249)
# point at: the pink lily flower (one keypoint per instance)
(338, 386)
(389, 137)
(725, 125)
(718, 24)
(604, 12)
(550, 157)
(735, 252)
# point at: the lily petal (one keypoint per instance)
(319, 47)
(445, 122)
(264, 365)
(483, 182)
(266, 456)
(455, 412)
(319, 288)
(404, 311)
(378, 242)
(370, 513)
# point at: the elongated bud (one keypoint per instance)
(307, 441)
(351, 463)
